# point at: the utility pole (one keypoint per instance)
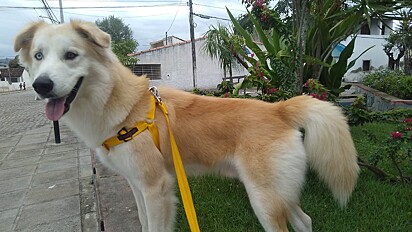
(192, 39)
(61, 11)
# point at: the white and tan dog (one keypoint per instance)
(72, 65)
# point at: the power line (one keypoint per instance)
(88, 7)
(49, 12)
(216, 7)
(209, 17)
(99, 16)
(174, 18)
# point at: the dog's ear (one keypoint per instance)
(92, 33)
(24, 38)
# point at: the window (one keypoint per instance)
(366, 66)
(365, 30)
(152, 71)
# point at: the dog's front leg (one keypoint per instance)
(141, 208)
(156, 202)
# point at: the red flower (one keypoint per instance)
(226, 95)
(306, 84)
(315, 95)
(408, 129)
(396, 135)
(408, 121)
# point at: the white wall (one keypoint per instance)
(376, 54)
(176, 66)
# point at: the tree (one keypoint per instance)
(14, 63)
(123, 42)
(219, 45)
(394, 49)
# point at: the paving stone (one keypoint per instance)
(57, 165)
(12, 163)
(52, 191)
(14, 184)
(45, 130)
(6, 174)
(20, 112)
(55, 176)
(7, 143)
(32, 140)
(85, 170)
(12, 139)
(60, 155)
(12, 199)
(119, 210)
(29, 147)
(70, 224)
(3, 155)
(25, 153)
(85, 152)
(6, 150)
(50, 211)
(60, 148)
(7, 218)
(85, 160)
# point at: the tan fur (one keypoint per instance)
(257, 142)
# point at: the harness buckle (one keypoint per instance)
(126, 135)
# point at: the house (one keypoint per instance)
(166, 41)
(171, 65)
(373, 59)
(12, 75)
(10, 78)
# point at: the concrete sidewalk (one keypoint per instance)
(46, 186)
(55, 187)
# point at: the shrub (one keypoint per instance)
(394, 83)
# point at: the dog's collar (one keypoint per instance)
(125, 135)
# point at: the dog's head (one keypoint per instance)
(59, 58)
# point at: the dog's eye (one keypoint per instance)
(38, 56)
(70, 55)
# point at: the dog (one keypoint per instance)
(262, 144)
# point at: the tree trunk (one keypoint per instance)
(300, 24)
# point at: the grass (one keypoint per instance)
(222, 204)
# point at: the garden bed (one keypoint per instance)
(380, 101)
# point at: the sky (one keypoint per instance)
(149, 19)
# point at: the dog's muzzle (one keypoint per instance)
(56, 106)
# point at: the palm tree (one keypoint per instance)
(219, 45)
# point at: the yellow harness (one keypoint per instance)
(125, 135)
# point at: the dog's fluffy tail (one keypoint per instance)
(328, 142)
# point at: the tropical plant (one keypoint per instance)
(219, 44)
(271, 67)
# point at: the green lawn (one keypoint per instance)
(222, 205)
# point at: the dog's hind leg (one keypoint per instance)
(273, 175)
(300, 221)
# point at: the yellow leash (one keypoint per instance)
(177, 160)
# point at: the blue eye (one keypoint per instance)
(38, 56)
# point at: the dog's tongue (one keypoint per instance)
(55, 108)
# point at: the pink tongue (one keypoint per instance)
(55, 108)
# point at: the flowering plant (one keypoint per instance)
(315, 89)
(398, 151)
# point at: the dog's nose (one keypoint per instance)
(43, 85)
